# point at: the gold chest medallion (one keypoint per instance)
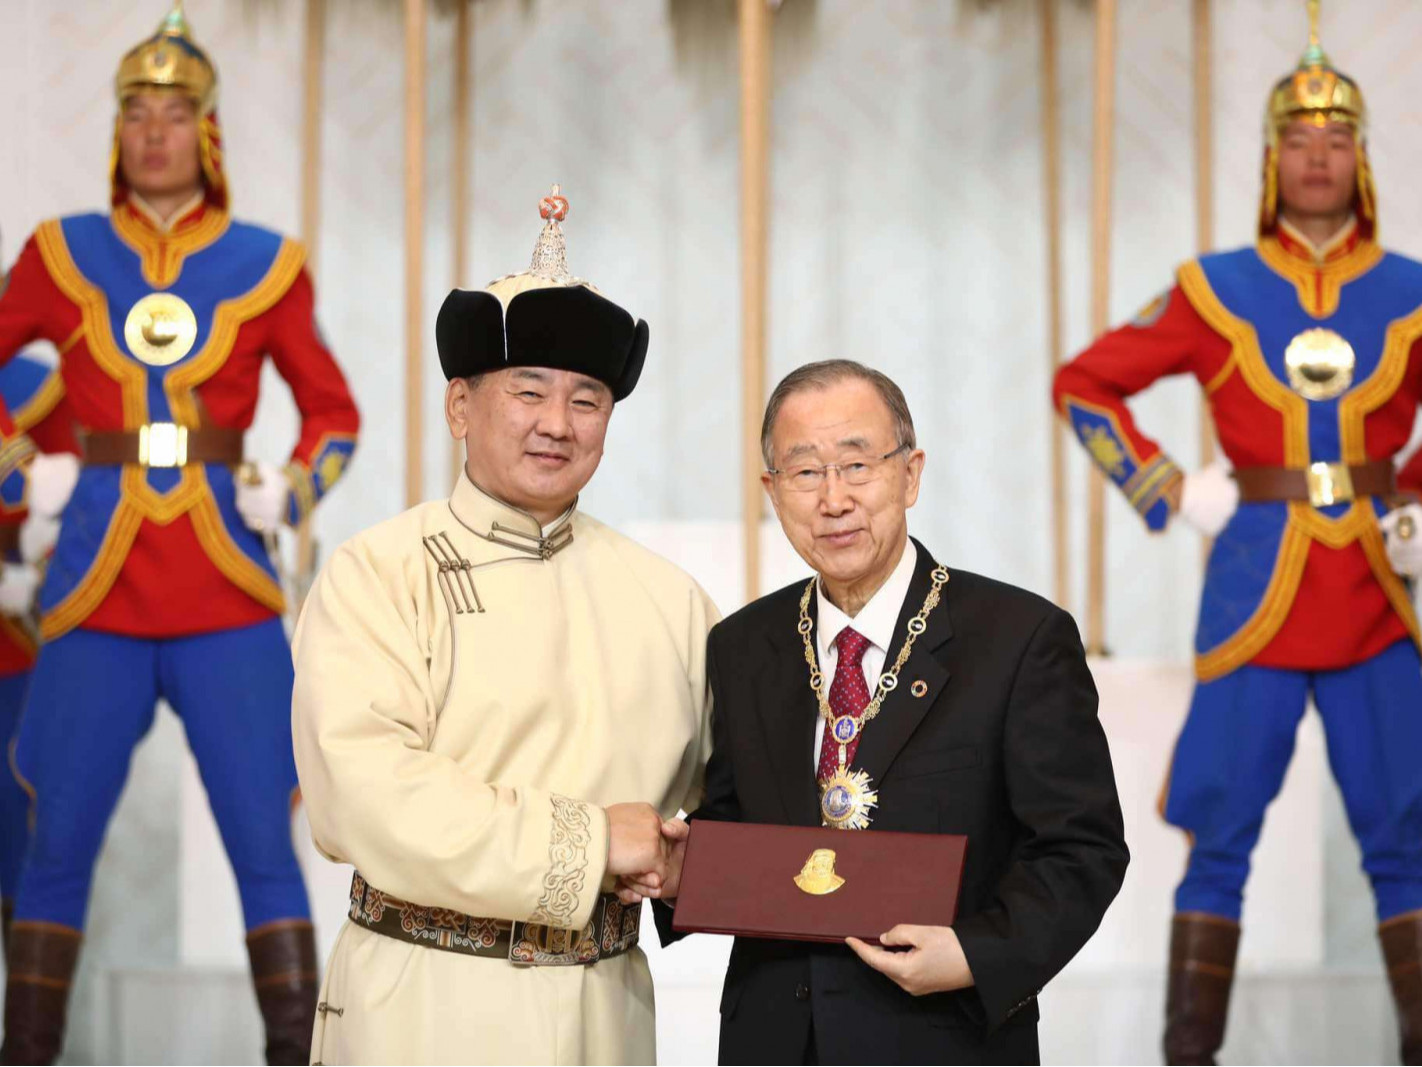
(161, 329)
(1320, 364)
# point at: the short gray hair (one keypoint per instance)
(829, 372)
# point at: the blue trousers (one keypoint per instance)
(92, 698)
(14, 801)
(1236, 745)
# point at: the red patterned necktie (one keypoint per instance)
(848, 695)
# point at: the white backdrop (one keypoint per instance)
(906, 230)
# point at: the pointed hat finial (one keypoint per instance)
(550, 254)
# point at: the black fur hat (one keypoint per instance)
(543, 317)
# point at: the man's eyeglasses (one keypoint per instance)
(807, 478)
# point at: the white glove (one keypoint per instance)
(19, 582)
(1402, 527)
(1208, 498)
(38, 536)
(52, 478)
(262, 501)
(50, 484)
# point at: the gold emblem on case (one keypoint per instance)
(817, 877)
(1320, 364)
(161, 329)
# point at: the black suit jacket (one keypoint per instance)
(1004, 747)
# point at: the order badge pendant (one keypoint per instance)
(845, 800)
(160, 329)
(845, 729)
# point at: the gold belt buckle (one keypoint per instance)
(1329, 483)
(552, 946)
(162, 444)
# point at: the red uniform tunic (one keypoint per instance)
(167, 567)
(1334, 601)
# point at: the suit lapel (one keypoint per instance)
(920, 682)
(788, 712)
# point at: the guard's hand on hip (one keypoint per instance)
(19, 582)
(51, 480)
(38, 536)
(1209, 499)
(1402, 529)
(263, 496)
(934, 962)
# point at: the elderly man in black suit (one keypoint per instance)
(988, 728)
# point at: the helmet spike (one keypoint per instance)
(176, 22)
(1314, 55)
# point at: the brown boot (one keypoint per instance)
(41, 963)
(283, 958)
(1202, 951)
(1402, 952)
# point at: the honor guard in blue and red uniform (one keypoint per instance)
(159, 585)
(33, 394)
(1307, 348)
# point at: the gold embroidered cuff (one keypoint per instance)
(577, 857)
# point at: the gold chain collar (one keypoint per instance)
(846, 798)
(888, 680)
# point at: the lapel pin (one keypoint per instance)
(919, 688)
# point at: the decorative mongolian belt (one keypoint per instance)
(1320, 484)
(163, 444)
(613, 930)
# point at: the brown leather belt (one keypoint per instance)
(613, 930)
(1320, 484)
(162, 444)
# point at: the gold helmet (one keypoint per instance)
(1316, 92)
(171, 60)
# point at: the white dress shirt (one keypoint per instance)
(876, 621)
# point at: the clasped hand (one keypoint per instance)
(645, 852)
(934, 962)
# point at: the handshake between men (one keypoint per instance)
(644, 852)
